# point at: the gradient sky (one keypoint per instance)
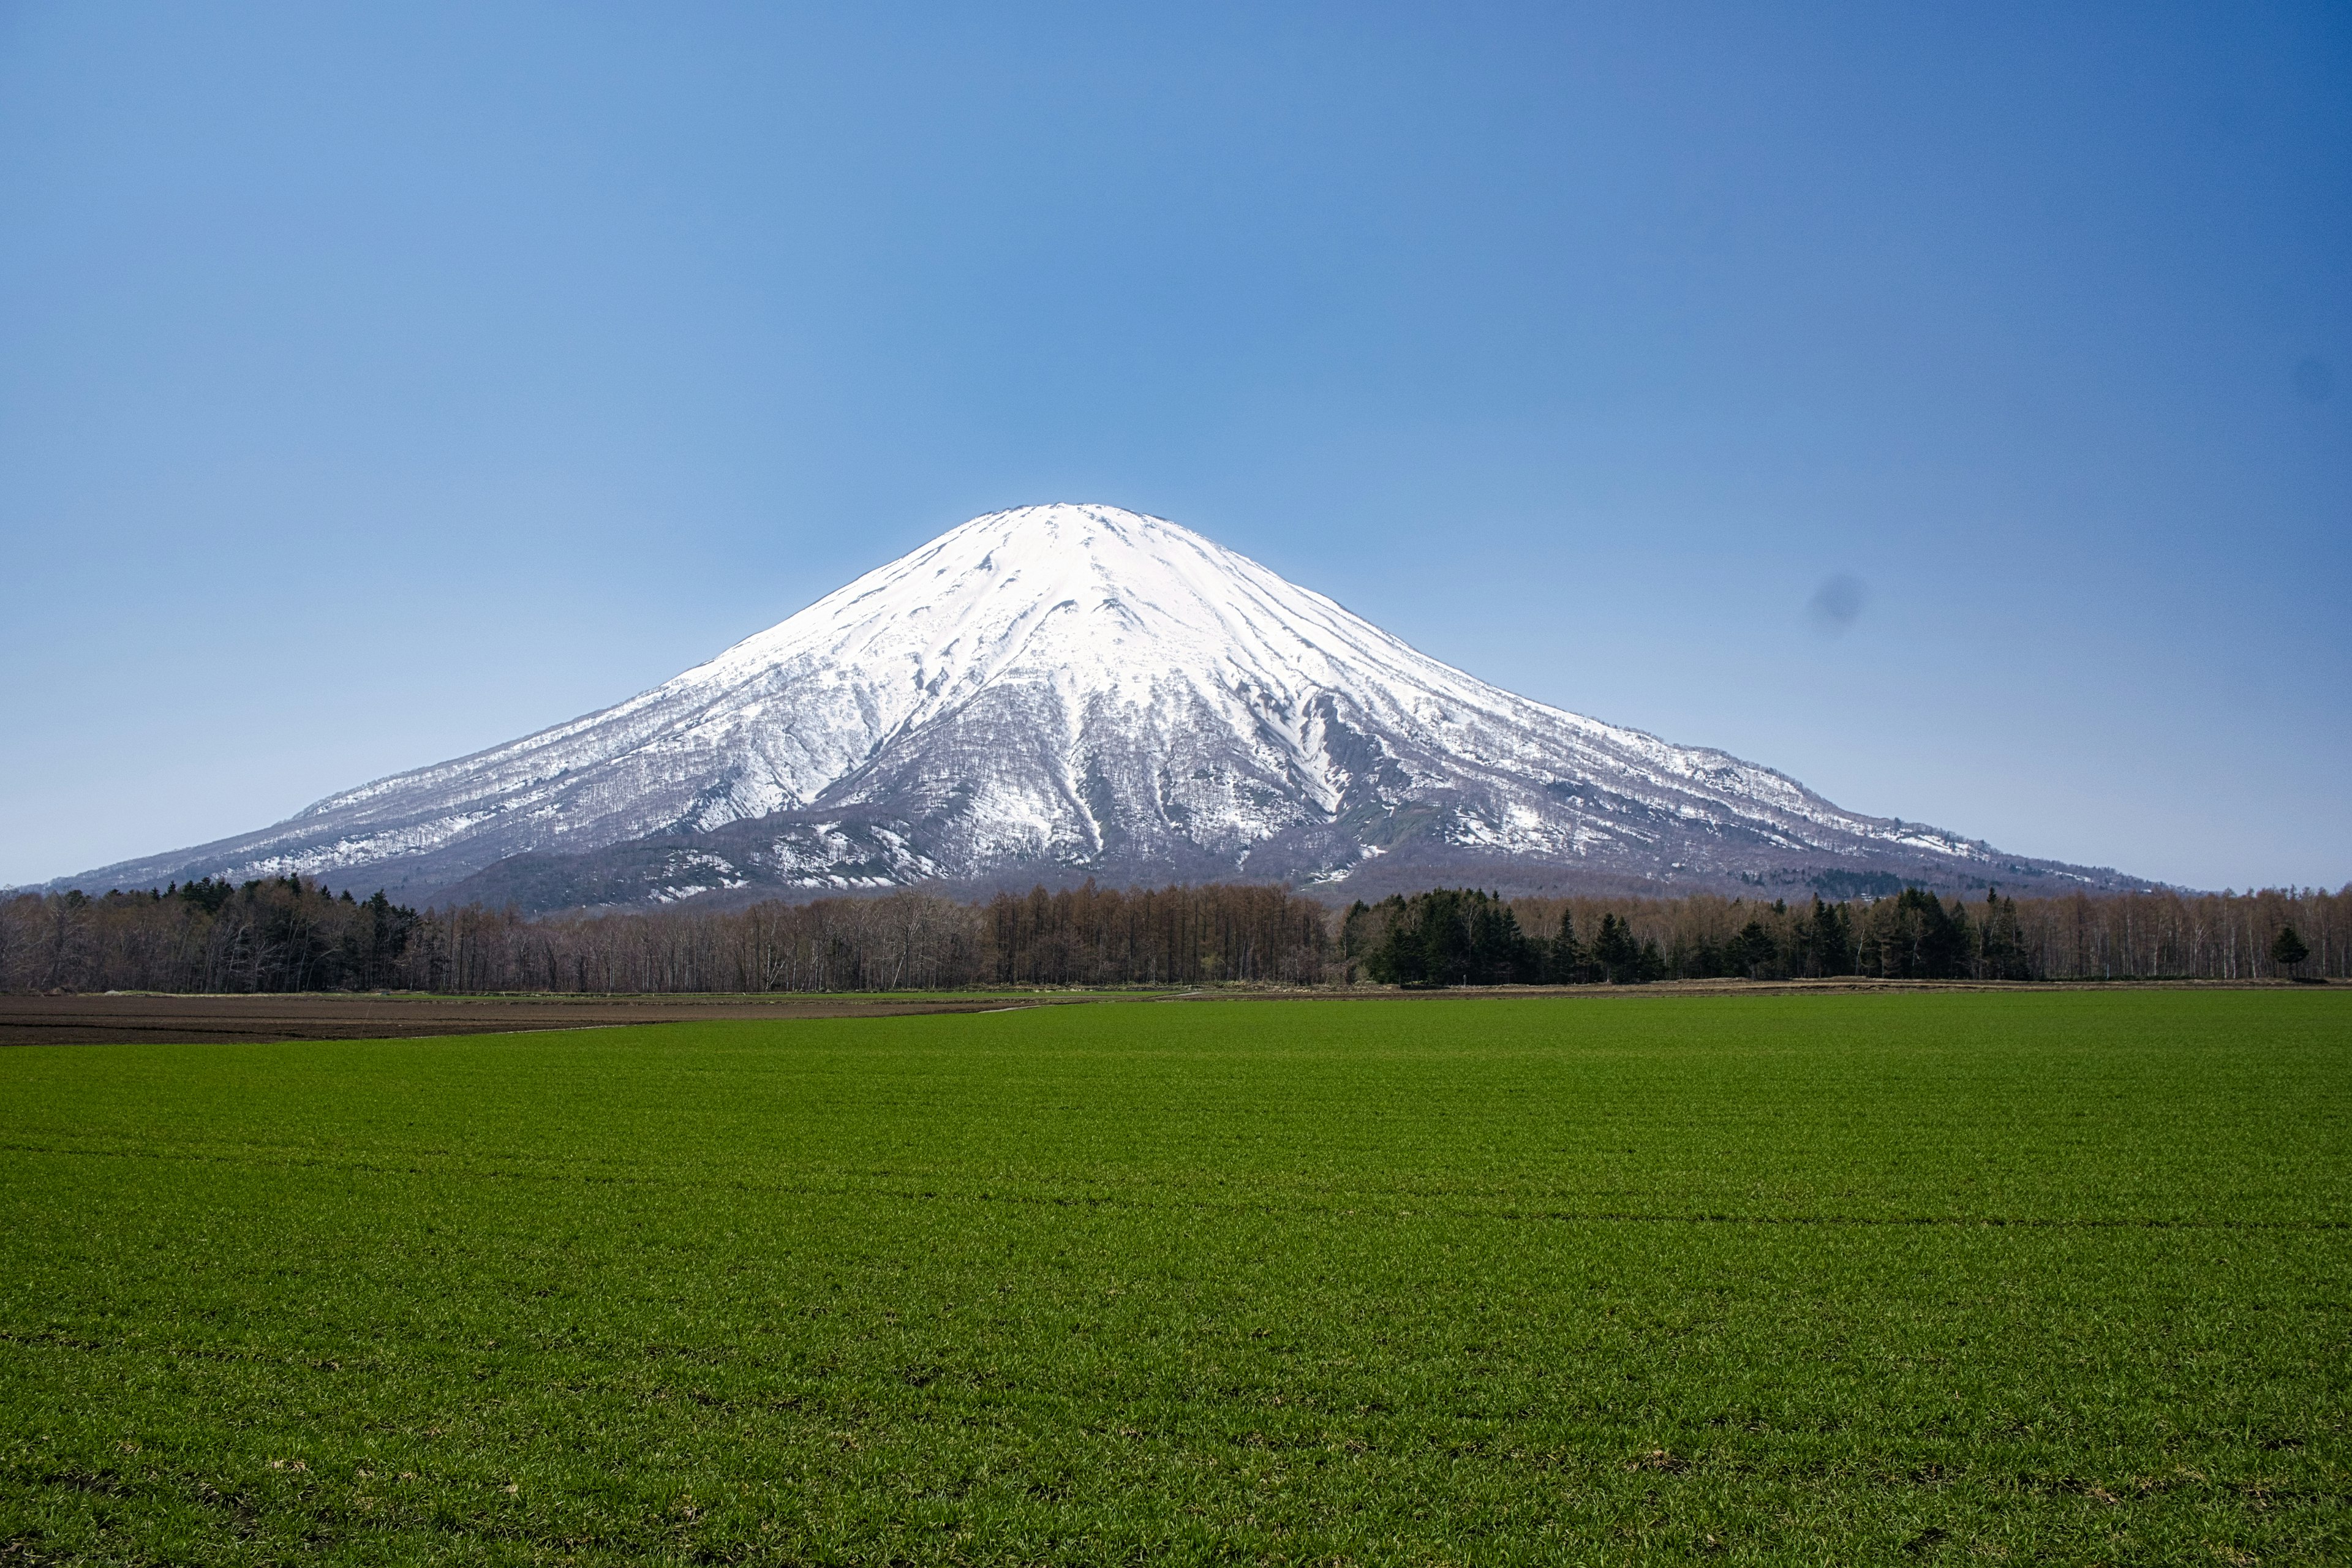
(1946, 406)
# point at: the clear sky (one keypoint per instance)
(1946, 406)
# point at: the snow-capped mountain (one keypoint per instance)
(1064, 690)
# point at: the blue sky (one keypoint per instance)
(378, 384)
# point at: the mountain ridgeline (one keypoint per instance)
(1062, 693)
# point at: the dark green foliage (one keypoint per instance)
(2055, 1278)
(1359, 930)
(1623, 960)
(203, 893)
(1829, 943)
(1453, 937)
(1565, 963)
(1840, 886)
(1751, 950)
(1500, 954)
(2000, 941)
(1913, 936)
(287, 934)
(1613, 950)
(2288, 950)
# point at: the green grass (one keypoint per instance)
(1960, 1278)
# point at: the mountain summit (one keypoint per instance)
(1059, 691)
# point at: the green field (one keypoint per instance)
(2060, 1276)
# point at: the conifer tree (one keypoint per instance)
(1567, 956)
(1615, 952)
(2002, 942)
(1751, 949)
(1829, 939)
(1453, 937)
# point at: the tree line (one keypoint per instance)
(1462, 937)
(293, 934)
(1913, 934)
(282, 934)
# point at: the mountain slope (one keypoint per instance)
(1061, 690)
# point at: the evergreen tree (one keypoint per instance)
(1957, 948)
(1356, 935)
(1414, 949)
(1750, 950)
(2002, 942)
(1615, 952)
(1453, 937)
(1566, 959)
(2288, 950)
(1500, 953)
(205, 894)
(1913, 936)
(1829, 939)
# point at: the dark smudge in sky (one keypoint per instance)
(1837, 604)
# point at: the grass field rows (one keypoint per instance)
(1911, 1278)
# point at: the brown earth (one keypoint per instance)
(105, 1020)
(110, 1019)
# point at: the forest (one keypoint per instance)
(293, 934)
(1461, 937)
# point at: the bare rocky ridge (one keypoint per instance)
(1059, 692)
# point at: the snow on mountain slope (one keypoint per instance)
(1076, 688)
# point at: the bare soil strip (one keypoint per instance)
(119, 1018)
(109, 1020)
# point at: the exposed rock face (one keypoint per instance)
(1061, 692)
